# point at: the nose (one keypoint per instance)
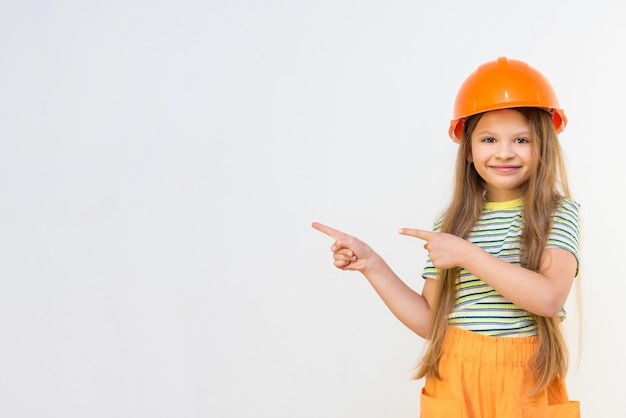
(504, 150)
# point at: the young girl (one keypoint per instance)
(501, 259)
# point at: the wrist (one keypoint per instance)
(375, 265)
(472, 254)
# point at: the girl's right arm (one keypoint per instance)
(411, 308)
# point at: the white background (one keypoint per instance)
(161, 164)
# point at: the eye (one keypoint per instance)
(521, 141)
(489, 140)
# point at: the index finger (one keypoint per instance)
(417, 233)
(331, 232)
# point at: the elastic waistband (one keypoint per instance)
(515, 351)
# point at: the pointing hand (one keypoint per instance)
(445, 250)
(349, 252)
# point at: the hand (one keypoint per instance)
(445, 250)
(349, 252)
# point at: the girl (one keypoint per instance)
(501, 259)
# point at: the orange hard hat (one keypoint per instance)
(501, 84)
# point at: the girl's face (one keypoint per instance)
(502, 153)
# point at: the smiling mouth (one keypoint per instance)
(504, 168)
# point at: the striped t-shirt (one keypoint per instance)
(480, 308)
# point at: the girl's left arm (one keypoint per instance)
(543, 293)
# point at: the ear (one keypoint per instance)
(468, 157)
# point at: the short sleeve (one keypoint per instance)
(430, 271)
(565, 233)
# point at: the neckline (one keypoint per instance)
(507, 204)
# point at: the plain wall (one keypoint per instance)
(161, 164)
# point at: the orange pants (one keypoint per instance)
(489, 377)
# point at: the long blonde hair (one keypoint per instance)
(542, 193)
